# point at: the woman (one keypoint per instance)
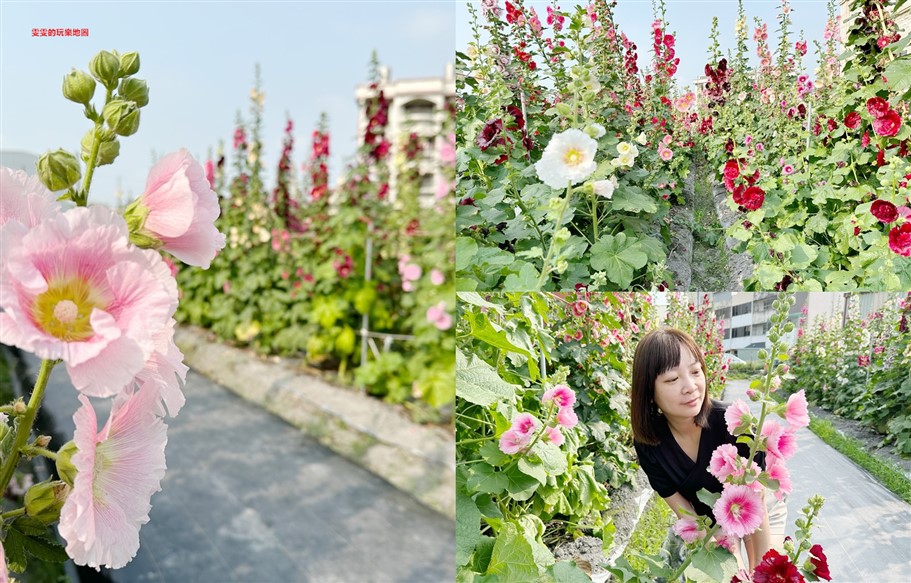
(676, 427)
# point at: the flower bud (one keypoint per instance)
(107, 153)
(789, 327)
(44, 500)
(78, 86)
(58, 170)
(65, 468)
(122, 117)
(19, 406)
(42, 440)
(134, 90)
(106, 68)
(129, 64)
(564, 109)
(763, 354)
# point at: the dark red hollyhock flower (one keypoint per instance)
(856, 231)
(877, 106)
(820, 563)
(501, 159)
(865, 139)
(888, 125)
(776, 568)
(732, 169)
(900, 240)
(883, 41)
(729, 146)
(516, 113)
(852, 120)
(753, 197)
(832, 124)
(751, 180)
(884, 211)
(880, 158)
(490, 135)
(781, 286)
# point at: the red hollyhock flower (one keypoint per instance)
(731, 169)
(877, 106)
(852, 120)
(880, 158)
(737, 192)
(884, 211)
(490, 135)
(776, 568)
(753, 197)
(865, 140)
(900, 240)
(887, 125)
(820, 563)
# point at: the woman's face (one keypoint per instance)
(679, 391)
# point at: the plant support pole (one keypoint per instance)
(365, 318)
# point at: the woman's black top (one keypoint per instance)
(670, 470)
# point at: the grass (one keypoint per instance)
(649, 535)
(886, 473)
(710, 256)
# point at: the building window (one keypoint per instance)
(741, 309)
(419, 106)
(741, 332)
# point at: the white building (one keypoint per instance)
(415, 106)
(747, 320)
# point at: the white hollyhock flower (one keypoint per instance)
(605, 188)
(595, 130)
(569, 158)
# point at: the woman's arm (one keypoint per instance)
(757, 544)
(680, 505)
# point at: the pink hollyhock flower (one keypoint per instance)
(888, 125)
(165, 370)
(665, 154)
(579, 308)
(796, 412)
(900, 240)
(525, 424)
(884, 211)
(728, 542)
(787, 170)
(512, 441)
(567, 417)
(865, 139)
(760, 147)
(554, 436)
(210, 173)
(119, 468)
(411, 272)
(74, 289)
(448, 151)
(738, 511)
(562, 395)
(687, 529)
(439, 317)
(724, 461)
(25, 200)
(779, 441)
(777, 471)
(437, 277)
(178, 209)
(667, 139)
(737, 414)
(863, 360)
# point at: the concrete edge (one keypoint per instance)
(416, 459)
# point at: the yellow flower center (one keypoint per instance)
(63, 311)
(573, 157)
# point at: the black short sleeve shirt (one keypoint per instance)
(670, 470)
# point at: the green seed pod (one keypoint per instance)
(105, 67)
(58, 170)
(78, 86)
(107, 153)
(122, 117)
(129, 64)
(44, 500)
(134, 90)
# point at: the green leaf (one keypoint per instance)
(525, 280)
(475, 299)
(711, 566)
(553, 458)
(491, 453)
(803, 255)
(512, 558)
(466, 249)
(619, 257)
(485, 478)
(707, 498)
(477, 382)
(483, 330)
(898, 74)
(534, 469)
(768, 275)
(14, 547)
(468, 527)
(567, 572)
(519, 485)
(634, 200)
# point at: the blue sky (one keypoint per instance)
(198, 59)
(691, 20)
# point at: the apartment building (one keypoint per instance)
(415, 106)
(747, 320)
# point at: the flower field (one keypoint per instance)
(574, 148)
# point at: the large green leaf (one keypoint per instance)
(567, 572)
(619, 257)
(512, 559)
(466, 249)
(475, 299)
(711, 566)
(632, 199)
(483, 330)
(477, 382)
(519, 485)
(898, 74)
(468, 527)
(485, 478)
(553, 458)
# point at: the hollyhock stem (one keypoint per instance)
(689, 556)
(93, 159)
(24, 428)
(13, 513)
(550, 250)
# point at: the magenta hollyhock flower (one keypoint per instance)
(752, 198)
(900, 239)
(776, 568)
(738, 511)
(512, 441)
(554, 435)
(820, 563)
(74, 289)
(852, 120)
(884, 211)
(687, 529)
(737, 414)
(796, 412)
(888, 125)
(877, 107)
(118, 470)
(567, 417)
(787, 170)
(525, 423)
(724, 461)
(780, 442)
(25, 200)
(777, 470)
(178, 208)
(562, 395)
(863, 360)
